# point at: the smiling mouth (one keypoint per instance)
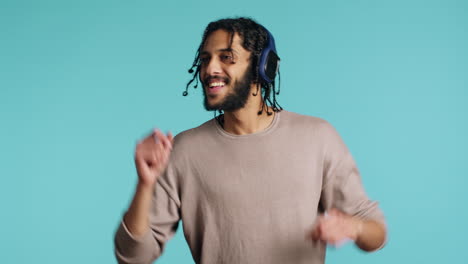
(215, 84)
(215, 87)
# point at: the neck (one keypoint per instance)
(246, 120)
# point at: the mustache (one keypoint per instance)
(209, 79)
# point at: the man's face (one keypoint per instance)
(225, 72)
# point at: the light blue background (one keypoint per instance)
(82, 81)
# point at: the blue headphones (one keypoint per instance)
(268, 64)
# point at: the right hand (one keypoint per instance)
(151, 156)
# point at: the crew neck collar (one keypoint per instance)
(267, 130)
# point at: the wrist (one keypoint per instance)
(358, 228)
(145, 187)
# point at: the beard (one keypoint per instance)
(235, 99)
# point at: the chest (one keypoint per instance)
(252, 178)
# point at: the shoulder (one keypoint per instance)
(194, 136)
(187, 145)
(310, 128)
(300, 121)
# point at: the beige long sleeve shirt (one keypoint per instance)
(251, 198)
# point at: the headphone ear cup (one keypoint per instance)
(268, 61)
(272, 65)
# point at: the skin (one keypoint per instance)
(152, 153)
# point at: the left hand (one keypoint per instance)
(336, 228)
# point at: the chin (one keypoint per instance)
(212, 105)
(214, 99)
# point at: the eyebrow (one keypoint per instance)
(204, 52)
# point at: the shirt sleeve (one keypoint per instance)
(342, 187)
(164, 221)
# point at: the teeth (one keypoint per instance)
(217, 84)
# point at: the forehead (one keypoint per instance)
(219, 40)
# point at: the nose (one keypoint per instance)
(213, 67)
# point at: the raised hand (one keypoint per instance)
(151, 156)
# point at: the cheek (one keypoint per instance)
(201, 74)
(202, 71)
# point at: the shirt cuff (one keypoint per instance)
(129, 246)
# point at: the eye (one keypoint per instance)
(227, 58)
(204, 60)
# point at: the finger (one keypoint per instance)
(163, 139)
(169, 140)
(328, 231)
(155, 137)
(333, 228)
(316, 234)
(320, 226)
(159, 157)
(323, 235)
(316, 231)
(165, 154)
(153, 157)
(171, 137)
(150, 139)
(324, 223)
(140, 163)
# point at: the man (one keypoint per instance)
(253, 185)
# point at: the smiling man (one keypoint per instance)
(256, 184)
